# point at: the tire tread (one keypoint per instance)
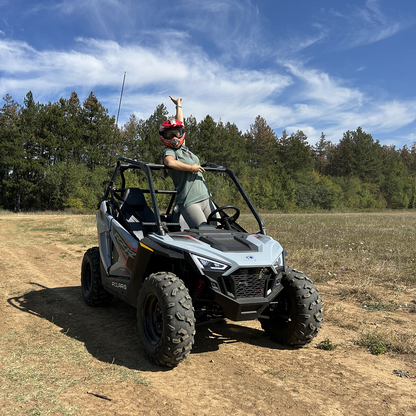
(308, 320)
(179, 329)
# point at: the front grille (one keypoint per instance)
(249, 282)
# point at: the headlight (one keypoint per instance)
(205, 264)
(278, 263)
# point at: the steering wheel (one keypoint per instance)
(226, 220)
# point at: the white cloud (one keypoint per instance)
(377, 14)
(368, 24)
(392, 115)
(235, 27)
(310, 132)
(292, 96)
(409, 139)
(214, 6)
(208, 86)
(320, 87)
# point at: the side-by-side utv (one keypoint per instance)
(179, 277)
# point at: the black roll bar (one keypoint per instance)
(148, 167)
(212, 167)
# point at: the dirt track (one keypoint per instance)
(234, 369)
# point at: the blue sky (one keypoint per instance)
(314, 65)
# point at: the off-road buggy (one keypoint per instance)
(179, 278)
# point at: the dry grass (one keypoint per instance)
(384, 340)
(369, 258)
(365, 258)
(341, 316)
(365, 249)
(67, 229)
(363, 264)
(84, 225)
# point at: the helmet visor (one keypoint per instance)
(173, 132)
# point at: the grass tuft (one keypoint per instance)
(380, 306)
(384, 340)
(326, 345)
(374, 342)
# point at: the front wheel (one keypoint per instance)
(165, 319)
(296, 317)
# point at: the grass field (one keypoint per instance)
(371, 256)
(51, 353)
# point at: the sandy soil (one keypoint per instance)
(234, 369)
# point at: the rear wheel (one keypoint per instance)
(165, 319)
(297, 317)
(92, 289)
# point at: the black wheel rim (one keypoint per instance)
(152, 319)
(283, 312)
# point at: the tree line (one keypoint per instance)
(60, 155)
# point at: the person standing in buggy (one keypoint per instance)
(193, 196)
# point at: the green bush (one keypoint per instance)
(315, 191)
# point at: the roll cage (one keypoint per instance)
(162, 223)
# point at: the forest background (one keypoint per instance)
(58, 156)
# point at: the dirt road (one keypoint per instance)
(58, 354)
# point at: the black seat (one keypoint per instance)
(136, 212)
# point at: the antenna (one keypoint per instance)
(119, 104)
(115, 127)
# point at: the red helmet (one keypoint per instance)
(172, 133)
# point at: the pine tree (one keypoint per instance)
(367, 160)
(341, 157)
(357, 154)
(72, 134)
(30, 169)
(408, 157)
(130, 138)
(321, 149)
(11, 150)
(191, 131)
(261, 144)
(295, 153)
(206, 143)
(148, 143)
(97, 133)
(232, 150)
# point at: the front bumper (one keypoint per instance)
(244, 309)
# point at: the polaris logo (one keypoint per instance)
(119, 285)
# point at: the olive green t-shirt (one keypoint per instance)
(191, 187)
